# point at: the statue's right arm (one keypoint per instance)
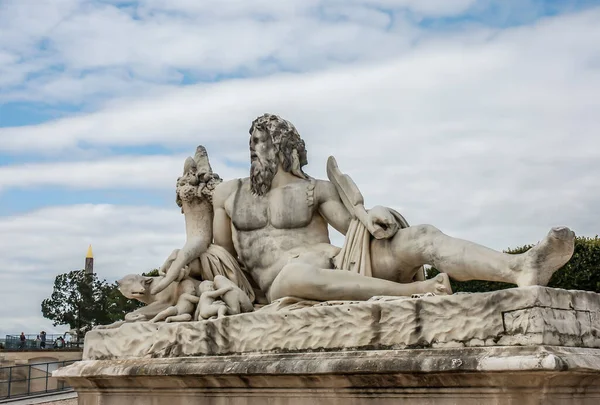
(217, 293)
(222, 234)
(191, 298)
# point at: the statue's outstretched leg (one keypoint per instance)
(312, 283)
(222, 311)
(398, 258)
(161, 316)
(179, 318)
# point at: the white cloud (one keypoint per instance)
(82, 52)
(39, 245)
(525, 80)
(122, 172)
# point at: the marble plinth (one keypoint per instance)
(476, 375)
(532, 345)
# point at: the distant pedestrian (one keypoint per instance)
(22, 339)
(43, 338)
(59, 343)
(67, 338)
(38, 342)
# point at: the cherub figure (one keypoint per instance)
(180, 312)
(208, 305)
(232, 300)
(235, 298)
(168, 301)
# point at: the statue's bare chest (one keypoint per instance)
(287, 207)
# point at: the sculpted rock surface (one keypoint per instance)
(519, 316)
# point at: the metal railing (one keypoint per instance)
(13, 342)
(31, 379)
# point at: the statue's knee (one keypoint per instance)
(291, 278)
(427, 231)
(292, 270)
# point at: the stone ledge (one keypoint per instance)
(474, 359)
(469, 376)
(518, 316)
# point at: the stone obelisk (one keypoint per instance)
(89, 261)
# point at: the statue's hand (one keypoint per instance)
(109, 326)
(381, 223)
(133, 317)
(183, 273)
(163, 269)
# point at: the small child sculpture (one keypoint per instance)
(233, 300)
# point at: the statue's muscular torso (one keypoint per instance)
(269, 231)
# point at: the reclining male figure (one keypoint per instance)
(276, 222)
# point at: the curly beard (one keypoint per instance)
(262, 173)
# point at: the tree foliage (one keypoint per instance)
(151, 273)
(82, 301)
(582, 272)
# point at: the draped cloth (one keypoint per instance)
(355, 255)
(218, 261)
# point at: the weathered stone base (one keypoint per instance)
(518, 316)
(475, 375)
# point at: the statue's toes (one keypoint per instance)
(563, 233)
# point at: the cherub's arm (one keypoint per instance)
(147, 312)
(217, 293)
(189, 297)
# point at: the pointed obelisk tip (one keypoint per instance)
(89, 254)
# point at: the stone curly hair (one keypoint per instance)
(286, 140)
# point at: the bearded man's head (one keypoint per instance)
(274, 141)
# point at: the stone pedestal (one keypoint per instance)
(499, 375)
(520, 346)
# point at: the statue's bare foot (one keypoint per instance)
(542, 260)
(439, 285)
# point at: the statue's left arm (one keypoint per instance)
(378, 220)
(331, 206)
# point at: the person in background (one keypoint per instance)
(43, 340)
(38, 342)
(67, 338)
(59, 343)
(22, 339)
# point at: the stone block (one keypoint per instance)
(520, 375)
(517, 316)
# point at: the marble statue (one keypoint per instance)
(194, 196)
(209, 305)
(233, 300)
(169, 304)
(267, 236)
(259, 307)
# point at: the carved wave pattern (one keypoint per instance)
(440, 321)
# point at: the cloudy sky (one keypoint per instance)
(478, 116)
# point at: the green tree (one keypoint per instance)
(582, 271)
(82, 301)
(117, 305)
(151, 273)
